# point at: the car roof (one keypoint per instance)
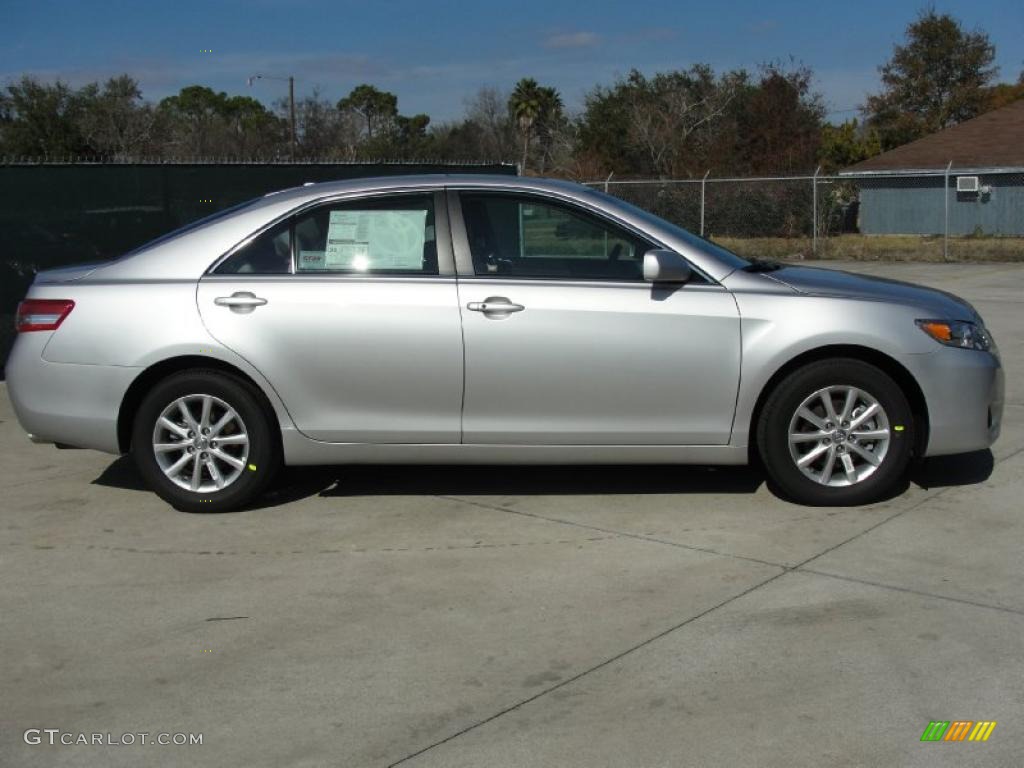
(313, 191)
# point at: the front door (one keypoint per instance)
(567, 345)
(349, 313)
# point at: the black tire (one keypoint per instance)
(774, 424)
(263, 458)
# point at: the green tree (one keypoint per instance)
(377, 108)
(385, 133)
(411, 138)
(779, 121)
(114, 120)
(525, 106)
(846, 144)
(200, 122)
(252, 130)
(42, 119)
(603, 146)
(935, 79)
(190, 120)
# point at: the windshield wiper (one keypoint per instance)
(761, 265)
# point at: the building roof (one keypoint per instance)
(990, 141)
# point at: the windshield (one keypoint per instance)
(722, 254)
(193, 225)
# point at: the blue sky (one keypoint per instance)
(434, 54)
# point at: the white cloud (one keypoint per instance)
(572, 40)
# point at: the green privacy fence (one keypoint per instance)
(58, 214)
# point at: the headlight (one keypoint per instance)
(957, 333)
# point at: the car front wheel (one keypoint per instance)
(836, 432)
(203, 441)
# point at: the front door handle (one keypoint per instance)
(240, 301)
(495, 305)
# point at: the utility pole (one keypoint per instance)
(945, 216)
(291, 107)
(814, 213)
(291, 104)
(703, 184)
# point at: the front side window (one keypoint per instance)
(520, 236)
(385, 236)
(393, 235)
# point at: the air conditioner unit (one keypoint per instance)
(966, 183)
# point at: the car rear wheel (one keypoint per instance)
(836, 432)
(203, 441)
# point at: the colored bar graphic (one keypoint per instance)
(958, 730)
(982, 730)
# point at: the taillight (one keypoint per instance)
(42, 314)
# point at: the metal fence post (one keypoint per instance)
(814, 212)
(703, 183)
(607, 180)
(945, 195)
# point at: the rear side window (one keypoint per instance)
(269, 253)
(392, 235)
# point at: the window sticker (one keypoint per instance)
(375, 240)
(311, 260)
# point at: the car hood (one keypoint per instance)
(832, 282)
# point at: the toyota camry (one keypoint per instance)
(475, 319)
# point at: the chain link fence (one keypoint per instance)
(947, 215)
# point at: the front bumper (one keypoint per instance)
(65, 403)
(963, 390)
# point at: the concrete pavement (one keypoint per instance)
(445, 616)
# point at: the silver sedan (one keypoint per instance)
(474, 319)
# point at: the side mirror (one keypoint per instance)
(661, 266)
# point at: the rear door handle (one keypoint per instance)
(495, 305)
(240, 301)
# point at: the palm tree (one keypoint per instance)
(525, 106)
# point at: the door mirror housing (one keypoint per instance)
(663, 266)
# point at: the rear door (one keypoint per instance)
(567, 345)
(350, 310)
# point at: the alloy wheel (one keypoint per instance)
(839, 435)
(201, 443)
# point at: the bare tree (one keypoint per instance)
(323, 130)
(666, 109)
(488, 111)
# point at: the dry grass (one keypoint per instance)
(880, 248)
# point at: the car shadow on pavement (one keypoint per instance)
(121, 473)
(946, 471)
(372, 480)
(541, 480)
(295, 483)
